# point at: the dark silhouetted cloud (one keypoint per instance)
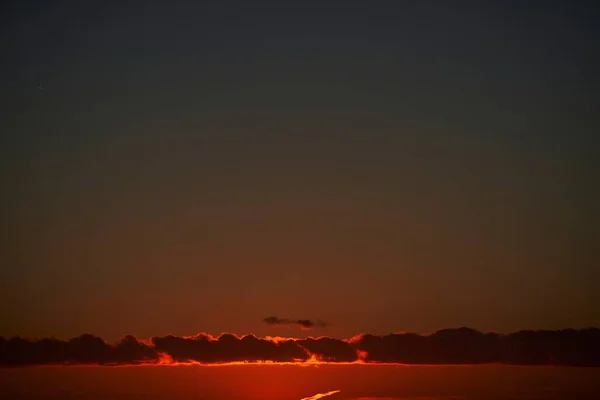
(84, 349)
(205, 348)
(305, 324)
(448, 346)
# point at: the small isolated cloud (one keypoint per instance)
(321, 395)
(305, 324)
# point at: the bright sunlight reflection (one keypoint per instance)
(321, 395)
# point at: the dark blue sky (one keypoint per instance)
(380, 165)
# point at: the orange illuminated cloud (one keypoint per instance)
(321, 395)
(447, 346)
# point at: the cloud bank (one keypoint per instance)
(305, 324)
(568, 347)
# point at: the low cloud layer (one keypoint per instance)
(449, 346)
(305, 324)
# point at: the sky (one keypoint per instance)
(378, 167)
(295, 383)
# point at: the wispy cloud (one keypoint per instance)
(305, 324)
(321, 395)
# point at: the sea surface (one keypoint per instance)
(283, 382)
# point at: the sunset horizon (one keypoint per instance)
(298, 200)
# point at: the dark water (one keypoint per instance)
(295, 382)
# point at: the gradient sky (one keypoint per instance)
(199, 166)
(279, 382)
